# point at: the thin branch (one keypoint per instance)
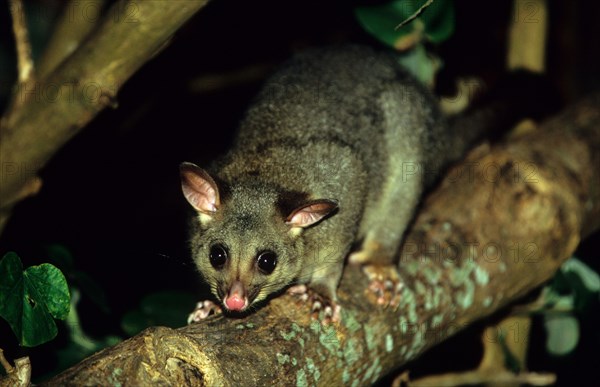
(7, 367)
(25, 62)
(414, 15)
(17, 376)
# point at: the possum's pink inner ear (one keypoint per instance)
(311, 213)
(199, 188)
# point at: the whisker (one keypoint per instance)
(180, 261)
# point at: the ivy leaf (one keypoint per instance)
(575, 289)
(582, 277)
(439, 21)
(420, 64)
(562, 333)
(30, 300)
(578, 280)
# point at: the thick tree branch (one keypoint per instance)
(528, 36)
(499, 225)
(78, 19)
(52, 110)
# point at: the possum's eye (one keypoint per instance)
(267, 260)
(218, 256)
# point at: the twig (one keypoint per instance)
(23, 376)
(7, 367)
(414, 15)
(25, 63)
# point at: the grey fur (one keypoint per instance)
(346, 124)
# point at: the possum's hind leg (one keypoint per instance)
(384, 228)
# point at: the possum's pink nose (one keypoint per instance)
(235, 303)
(236, 299)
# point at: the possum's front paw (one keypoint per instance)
(203, 310)
(330, 309)
(384, 282)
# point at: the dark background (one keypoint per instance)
(112, 194)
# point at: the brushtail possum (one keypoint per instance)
(330, 160)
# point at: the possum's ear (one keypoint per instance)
(199, 189)
(311, 213)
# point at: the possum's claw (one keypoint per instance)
(330, 309)
(203, 310)
(384, 283)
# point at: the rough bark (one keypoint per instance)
(498, 226)
(46, 112)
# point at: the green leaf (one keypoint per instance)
(435, 24)
(30, 299)
(50, 284)
(588, 277)
(579, 280)
(381, 20)
(562, 333)
(439, 22)
(168, 308)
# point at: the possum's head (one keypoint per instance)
(248, 244)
